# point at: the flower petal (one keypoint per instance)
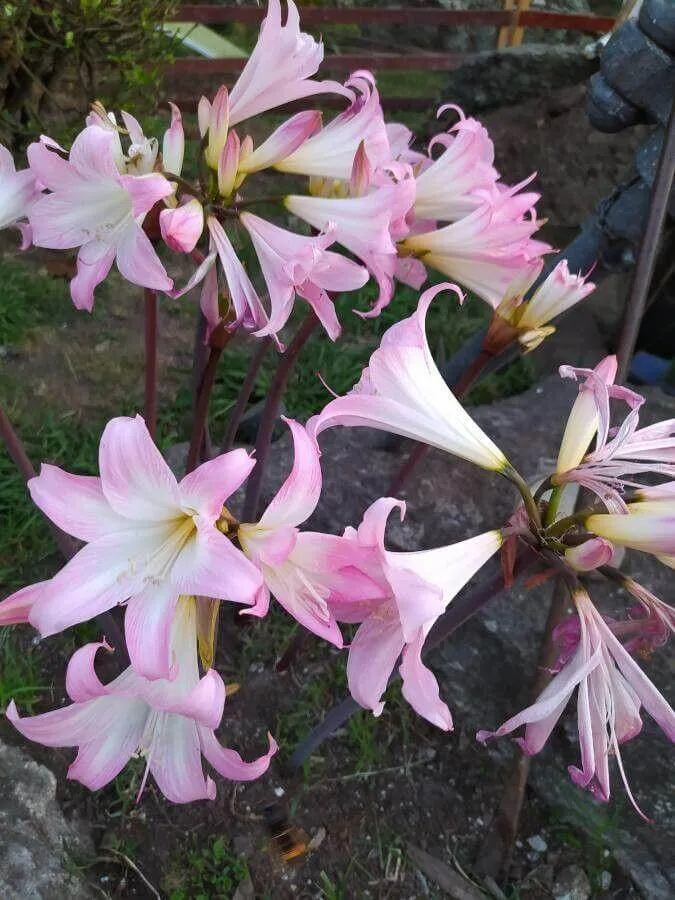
(298, 496)
(420, 687)
(229, 763)
(373, 653)
(209, 485)
(147, 630)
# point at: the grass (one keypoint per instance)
(208, 871)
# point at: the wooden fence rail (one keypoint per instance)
(508, 22)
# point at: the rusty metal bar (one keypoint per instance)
(644, 269)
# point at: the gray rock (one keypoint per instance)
(37, 845)
(486, 668)
(572, 884)
(507, 77)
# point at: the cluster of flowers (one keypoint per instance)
(171, 551)
(398, 211)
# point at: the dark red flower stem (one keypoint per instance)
(271, 413)
(201, 410)
(244, 394)
(150, 322)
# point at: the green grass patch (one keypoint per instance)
(205, 871)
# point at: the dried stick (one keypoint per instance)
(245, 392)
(271, 413)
(150, 323)
(637, 297)
(494, 856)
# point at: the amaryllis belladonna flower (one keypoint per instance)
(402, 391)
(171, 723)
(94, 207)
(303, 568)
(611, 689)
(18, 193)
(416, 589)
(149, 539)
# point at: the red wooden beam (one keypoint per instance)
(208, 14)
(342, 62)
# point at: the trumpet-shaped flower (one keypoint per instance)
(303, 569)
(149, 538)
(485, 251)
(590, 415)
(182, 226)
(18, 193)
(530, 319)
(417, 589)
(455, 183)
(282, 143)
(402, 391)
(611, 689)
(171, 723)
(280, 67)
(93, 207)
(295, 264)
(141, 153)
(366, 225)
(648, 525)
(330, 153)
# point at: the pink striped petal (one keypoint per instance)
(176, 761)
(135, 479)
(147, 630)
(76, 503)
(15, 609)
(94, 261)
(206, 488)
(229, 763)
(373, 653)
(420, 687)
(298, 496)
(137, 260)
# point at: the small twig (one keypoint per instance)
(637, 297)
(271, 413)
(132, 865)
(245, 392)
(150, 323)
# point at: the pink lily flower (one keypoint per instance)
(182, 226)
(171, 723)
(648, 525)
(149, 538)
(293, 263)
(141, 154)
(173, 144)
(280, 67)
(402, 391)
(330, 153)
(93, 207)
(590, 417)
(302, 569)
(418, 587)
(611, 691)
(283, 143)
(613, 465)
(366, 225)
(485, 251)
(559, 292)
(454, 184)
(400, 138)
(18, 193)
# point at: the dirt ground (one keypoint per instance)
(380, 785)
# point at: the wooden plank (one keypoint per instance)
(316, 15)
(503, 38)
(342, 62)
(208, 14)
(536, 18)
(519, 30)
